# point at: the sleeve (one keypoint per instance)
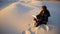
(48, 14)
(38, 16)
(34, 19)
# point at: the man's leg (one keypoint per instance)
(47, 28)
(38, 24)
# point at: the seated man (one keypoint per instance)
(42, 17)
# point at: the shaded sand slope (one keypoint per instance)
(15, 18)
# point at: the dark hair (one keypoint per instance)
(44, 7)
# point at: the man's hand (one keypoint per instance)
(37, 20)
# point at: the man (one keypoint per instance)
(42, 17)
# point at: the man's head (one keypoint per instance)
(44, 7)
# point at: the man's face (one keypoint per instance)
(43, 8)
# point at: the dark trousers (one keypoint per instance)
(40, 23)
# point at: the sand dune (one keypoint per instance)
(17, 18)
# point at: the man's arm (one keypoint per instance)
(47, 14)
